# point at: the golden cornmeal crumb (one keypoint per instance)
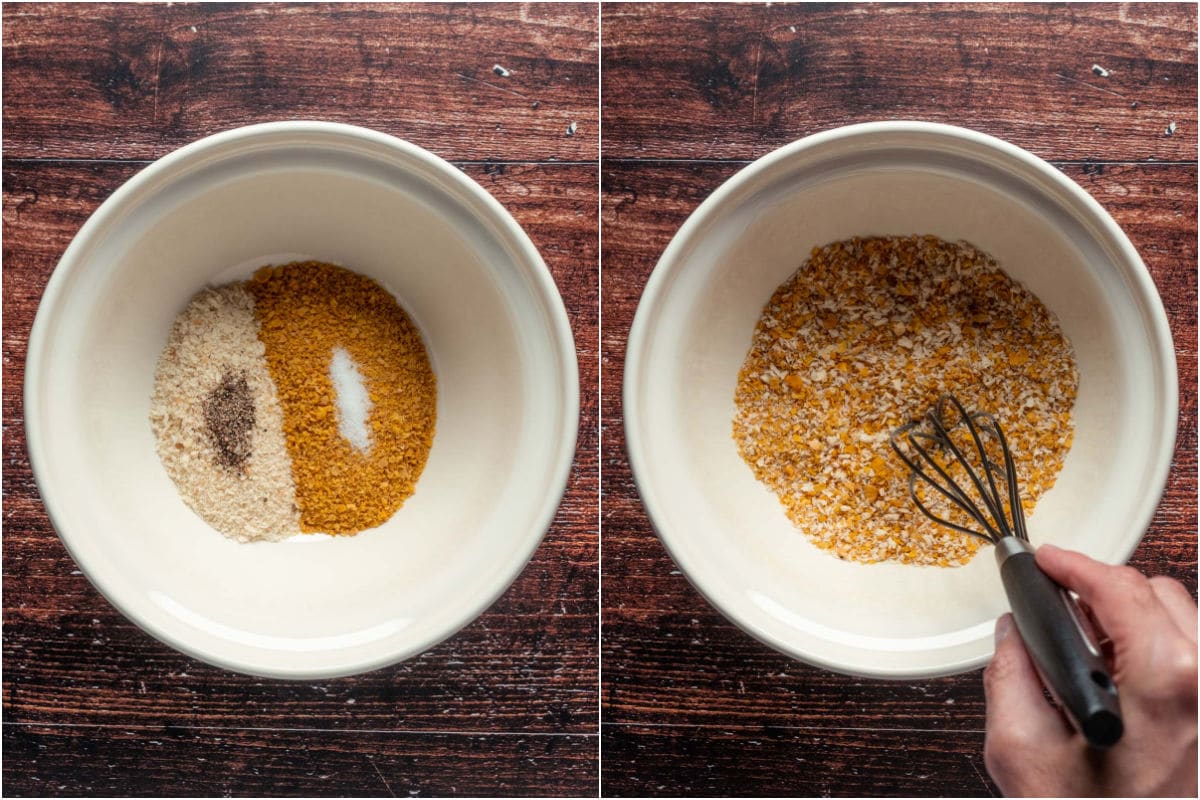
(306, 310)
(866, 336)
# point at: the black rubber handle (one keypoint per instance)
(1071, 666)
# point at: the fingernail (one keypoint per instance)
(1049, 548)
(1003, 627)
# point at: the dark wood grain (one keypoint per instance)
(769, 761)
(187, 762)
(94, 706)
(722, 81)
(691, 705)
(132, 81)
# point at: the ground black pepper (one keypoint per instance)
(229, 417)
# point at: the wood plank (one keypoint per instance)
(691, 667)
(669, 658)
(113, 80)
(771, 761)
(166, 761)
(731, 81)
(528, 664)
(522, 666)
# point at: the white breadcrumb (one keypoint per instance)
(217, 334)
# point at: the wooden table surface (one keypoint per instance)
(93, 706)
(690, 95)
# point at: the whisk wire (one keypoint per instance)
(948, 487)
(992, 499)
(932, 440)
(1015, 509)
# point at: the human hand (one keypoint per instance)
(1032, 750)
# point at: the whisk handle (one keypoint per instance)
(1070, 664)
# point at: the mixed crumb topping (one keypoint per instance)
(866, 336)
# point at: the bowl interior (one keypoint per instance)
(730, 534)
(492, 324)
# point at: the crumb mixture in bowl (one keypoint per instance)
(864, 337)
(300, 401)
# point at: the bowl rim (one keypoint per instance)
(641, 333)
(324, 134)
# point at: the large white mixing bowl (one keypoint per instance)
(693, 328)
(497, 336)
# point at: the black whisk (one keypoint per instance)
(964, 459)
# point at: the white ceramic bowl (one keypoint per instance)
(496, 332)
(693, 327)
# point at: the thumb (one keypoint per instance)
(1018, 714)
